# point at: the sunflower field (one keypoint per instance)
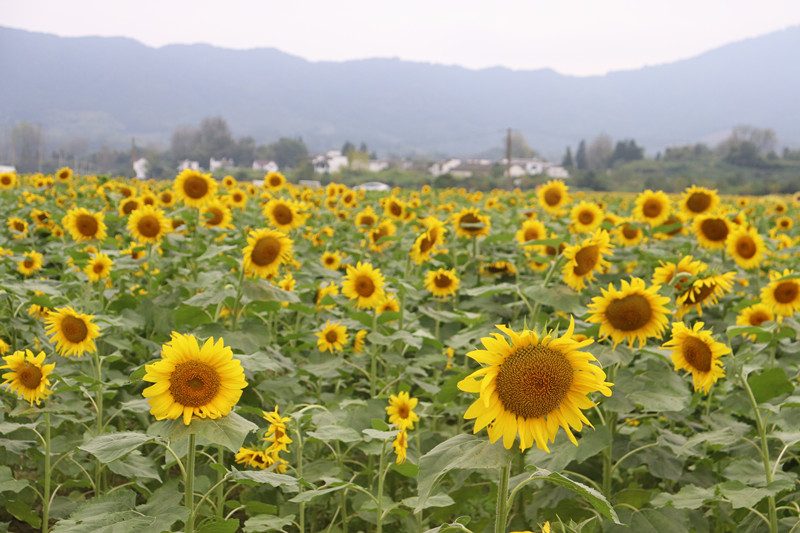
(214, 357)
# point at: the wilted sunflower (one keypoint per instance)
(193, 381)
(553, 196)
(652, 207)
(194, 188)
(631, 313)
(470, 223)
(148, 224)
(274, 181)
(586, 258)
(699, 200)
(696, 351)
(442, 283)
(400, 447)
(782, 295)
(27, 376)
(712, 231)
(215, 214)
(706, 290)
(266, 251)
(664, 274)
(332, 337)
(74, 333)
(99, 267)
(8, 180)
(30, 264)
(401, 410)
(331, 260)
(284, 214)
(532, 386)
(586, 217)
(746, 247)
(364, 284)
(64, 174)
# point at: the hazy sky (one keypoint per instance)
(579, 37)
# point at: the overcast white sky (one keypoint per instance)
(579, 37)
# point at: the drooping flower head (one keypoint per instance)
(586, 258)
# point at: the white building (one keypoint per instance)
(7, 168)
(330, 162)
(140, 168)
(265, 165)
(556, 171)
(443, 167)
(378, 165)
(188, 164)
(472, 167)
(226, 163)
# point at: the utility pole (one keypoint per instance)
(508, 157)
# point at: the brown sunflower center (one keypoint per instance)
(216, 216)
(499, 268)
(586, 217)
(758, 318)
(166, 198)
(29, 375)
(698, 202)
(746, 247)
(531, 234)
(786, 292)
(194, 383)
(396, 209)
(698, 295)
(587, 258)
(237, 197)
(149, 226)
(365, 287)
(126, 192)
(275, 181)
(265, 251)
(283, 214)
(130, 206)
(19, 226)
(780, 209)
(74, 329)
(6, 180)
(697, 354)
(629, 313)
(28, 263)
(403, 411)
(98, 268)
(379, 233)
(714, 229)
(552, 197)
(442, 281)
(425, 244)
(472, 221)
(195, 187)
(149, 200)
(63, 175)
(533, 381)
(652, 208)
(629, 232)
(329, 260)
(331, 336)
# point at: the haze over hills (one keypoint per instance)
(109, 89)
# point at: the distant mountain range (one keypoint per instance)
(109, 89)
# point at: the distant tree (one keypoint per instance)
(598, 154)
(626, 151)
(286, 152)
(357, 159)
(215, 139)
(185, 140)
(567, 161)
(304, 171)
(347, 146)
(363, 147)
(581, 162)
(27, 144)
(745, 154)
(519, 146)
(498, 171)
(245, 152)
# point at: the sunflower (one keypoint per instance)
(532, 386)
(375, 237)
(498, 268)
(664, 274)
(704, 290)
(631, 313)
(364, 284)
(166, 198)
(442, 283)
(266, 251)
(401, 410)
(332, 337)
(531, 230)
(712, 231)
(746, 247)
(699, 200)
(470, 223)
(586, 217)
(237, 198)
(358, 341)
(229, 182)
(754, 315)
(277, 433)
(8, 180)
(584, 259)
(553, 196)
(148, 224)
(652, 207)
(400, 447)
(84, 225)
(696, 351)
(274, 181)
(331, 260)
(99, 267)
(326, 289)
(629, 234)
(388, 303)
(782, 295)
(64, 174)
(73, 333)
(27, 376)
(215, 214)
(366, 219)
(194, 188)
(31, 263)
(128, 206)
(393, 207)
(18, 227)
(193, 381)
(426, 244)
(252, 457)
(40, 216)
(284, 214)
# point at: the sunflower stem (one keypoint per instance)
(237, 301)
(99, 406)
(220, 481)
(501, 509)
(381, 478)
(188, 496)
(762, 433)
(46, 494)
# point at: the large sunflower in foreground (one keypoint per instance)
(652, 207)
(696, 351)
(84, 225)
(364, 284)
(74, 333)
(782, 295)
(27, 375)
(265, 252)
(699, 200)
(193, 381)
(532, 386)
(553, 196)
(194, 188)
(148, 224)
(746, 247)
(631, 313)
(584, 259)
